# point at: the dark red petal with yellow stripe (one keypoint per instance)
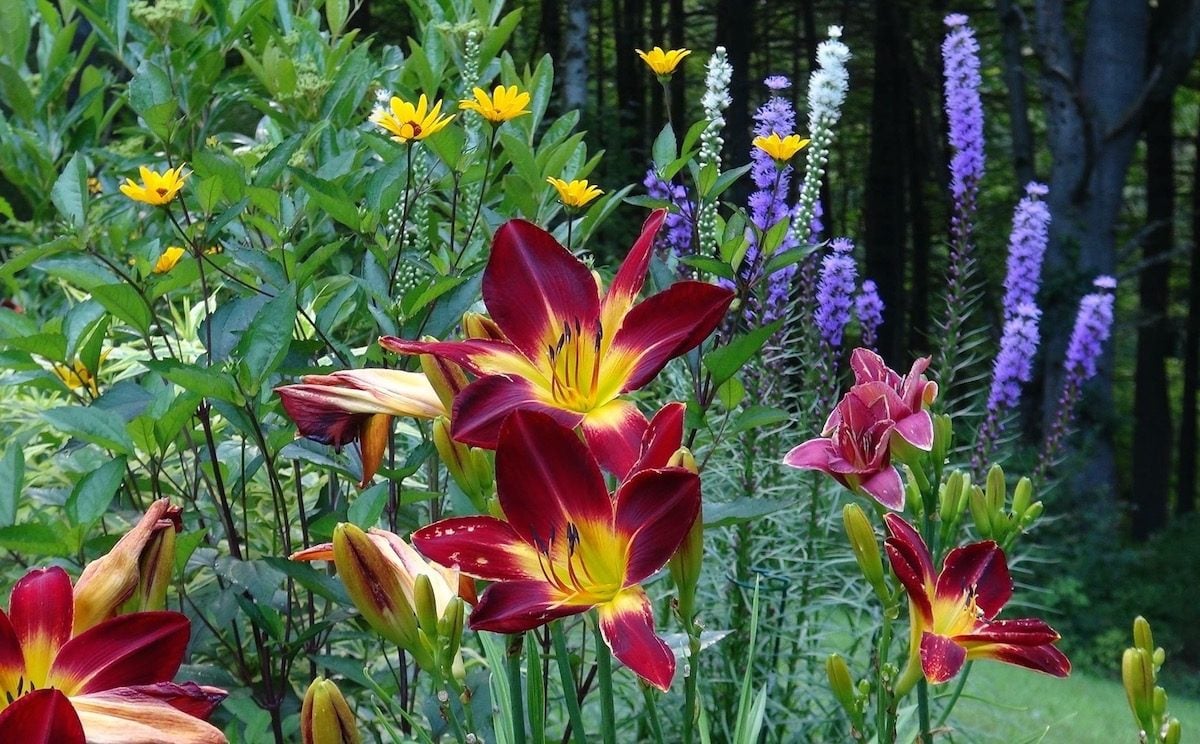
(614, 435)
(195, 700)
(627, 624)
(481, 546)
(546, 478)
(517, 606)
(662, 327)
(137, 649)
(656, 509)
(911, 562)
(41, 717)
(626, 285)
(477, 356)
(480, 410)
(533, 286)
(663, 437)
(12, 660)
(1045, 658)
(1026, 631)
(42, 611)
(941, 657)
(978, 568)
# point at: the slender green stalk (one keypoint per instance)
(515, 646)
(608, 714)
(570, 692)
(652, 714)
(923, 712)
(954, 696)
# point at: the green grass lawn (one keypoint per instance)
(1011, 705)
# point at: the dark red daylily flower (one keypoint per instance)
(953, 612)
(566, 350)
(114, 677)
(568, 545)
(856, 451)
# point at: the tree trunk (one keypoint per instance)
(675, 20)
(550, 30)
(735, 30)
(1185, 499)
(1152, 419)
(1012, 26)
(574, 59)
(657, 101)
(886, 228)
(632, 75)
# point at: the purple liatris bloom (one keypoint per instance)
(1093, 326)
(964, 110)
(676, 235)
(1014, 361)
(769, 205)
(1026, 249)
(868, 307)
(835, 292)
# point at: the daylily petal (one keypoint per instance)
(533, 287)
(195, 700)
(868, 366)
(41, 609)
(978, 568)
(886, 488)
(128, 716)
(477, 355)
(663, 437)
(941, 657)
(917, 430)
(381, 592)
(911, 562)
(614, 435)
(1026, 631)
(626, 285)
(662, 327)
(1045, 658)
(517, 606)
(332, 408)
(484, 547)
(12, 661)
(482, 408)
(546, 478)
(41, 717)
(374, 436)
(815, 454)
(656, 508)
(137, 649)
(627, 624)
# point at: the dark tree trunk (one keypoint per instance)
(1012, 26)
(657, 34)
(886, 225)
(574, 59)
(1152, 421)
(550, 31)
(735, 31)
(675, 20)
(1185, 499)
(632, 76)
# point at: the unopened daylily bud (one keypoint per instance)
(425, 605)
(479, 326)
(1032, 513)
(1143, 638)
(1138, 679)
(1158, 658)
(325, 718)
(943, 434)
(980, 513)
(841, 683)
(1022, 496)
(1160, 701)
(450, 626)
(374, 586)
(1172, 732)
(864, 544)
(460, 462)
(685, 567)
(683, 458)
(912, 492)
(446, 377)
(134, 575)
(995, 490)
(949, 495)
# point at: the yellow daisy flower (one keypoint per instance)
(574, 193)
(168, 259)
(407, 122)
(781, 149)
(155, 189)
(663, 62)
(502, 105)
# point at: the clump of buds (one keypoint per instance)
(1148, 701)
(993, 520)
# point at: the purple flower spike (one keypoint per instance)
(777, 82)
(1026, 249)
(1014, 361)
(835, 292)
(868, 306)
(676, 235)
(964, 109)
(1093, 326)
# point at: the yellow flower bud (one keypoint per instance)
(325, 718)
(447, 378)
(683, 458)
(479, 326)
(996, 490)
(1143, 638)
(841, 683)
(1174, 732)
(981, 514)
(1138, 679)
(864, 544)
(1022, 497)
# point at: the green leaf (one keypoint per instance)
(757, 417)
(33, 540)
(266, 342)
(123, 301)
(741, 510)
(368, 506)
(329, 197)
(94, 492)
(12, 477)
(6, 209)
(321, 584)
(785, 259)
(151, 97)
(711, 265)
(31, 255)
(724, 362)
(664, 150)
(70, 190)
(731, 393)
(335, 14)
(14, 31)
(272, 165)
(205, 381)
(93, 425)
(723, 182)
(16, 93)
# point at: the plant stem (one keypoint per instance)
(515, 646)
(608, 715)
(923, 712)
(570, 692)
(652, 714)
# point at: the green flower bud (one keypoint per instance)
(841, 683)
(912, 492)
(1160, 701)
(1032, 513)
(325, 718)
(1138, 678)
(1142, 637)
(1022, 496)
(864, 544)
(943, 435)
(1174, 732)
(980, 513)
(996, 490)
(426, 605)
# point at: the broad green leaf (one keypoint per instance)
(265, 343)
(93, 425)
(741, 510)
(6, 209)
(709, 264)
(724, 362)
(368, 506)
(335, 14)
(70, 191)
(123, 301)
(12, 478)
(31, 255)
(94, 492)
(204, 381)
(664, 150)
(756, 417)
(329, 197)
(16, 93)
(150, 95)
(35, 540)
(317, 582)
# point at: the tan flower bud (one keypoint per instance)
(325, 718)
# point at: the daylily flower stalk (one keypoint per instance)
(411, 602)
(566, 545)
(564, 349)
(358, 406)
(110, 683)
(953, 612)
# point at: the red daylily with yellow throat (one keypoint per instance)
(953, 612)
(567, 545)
(566, 350)
(110, 683)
